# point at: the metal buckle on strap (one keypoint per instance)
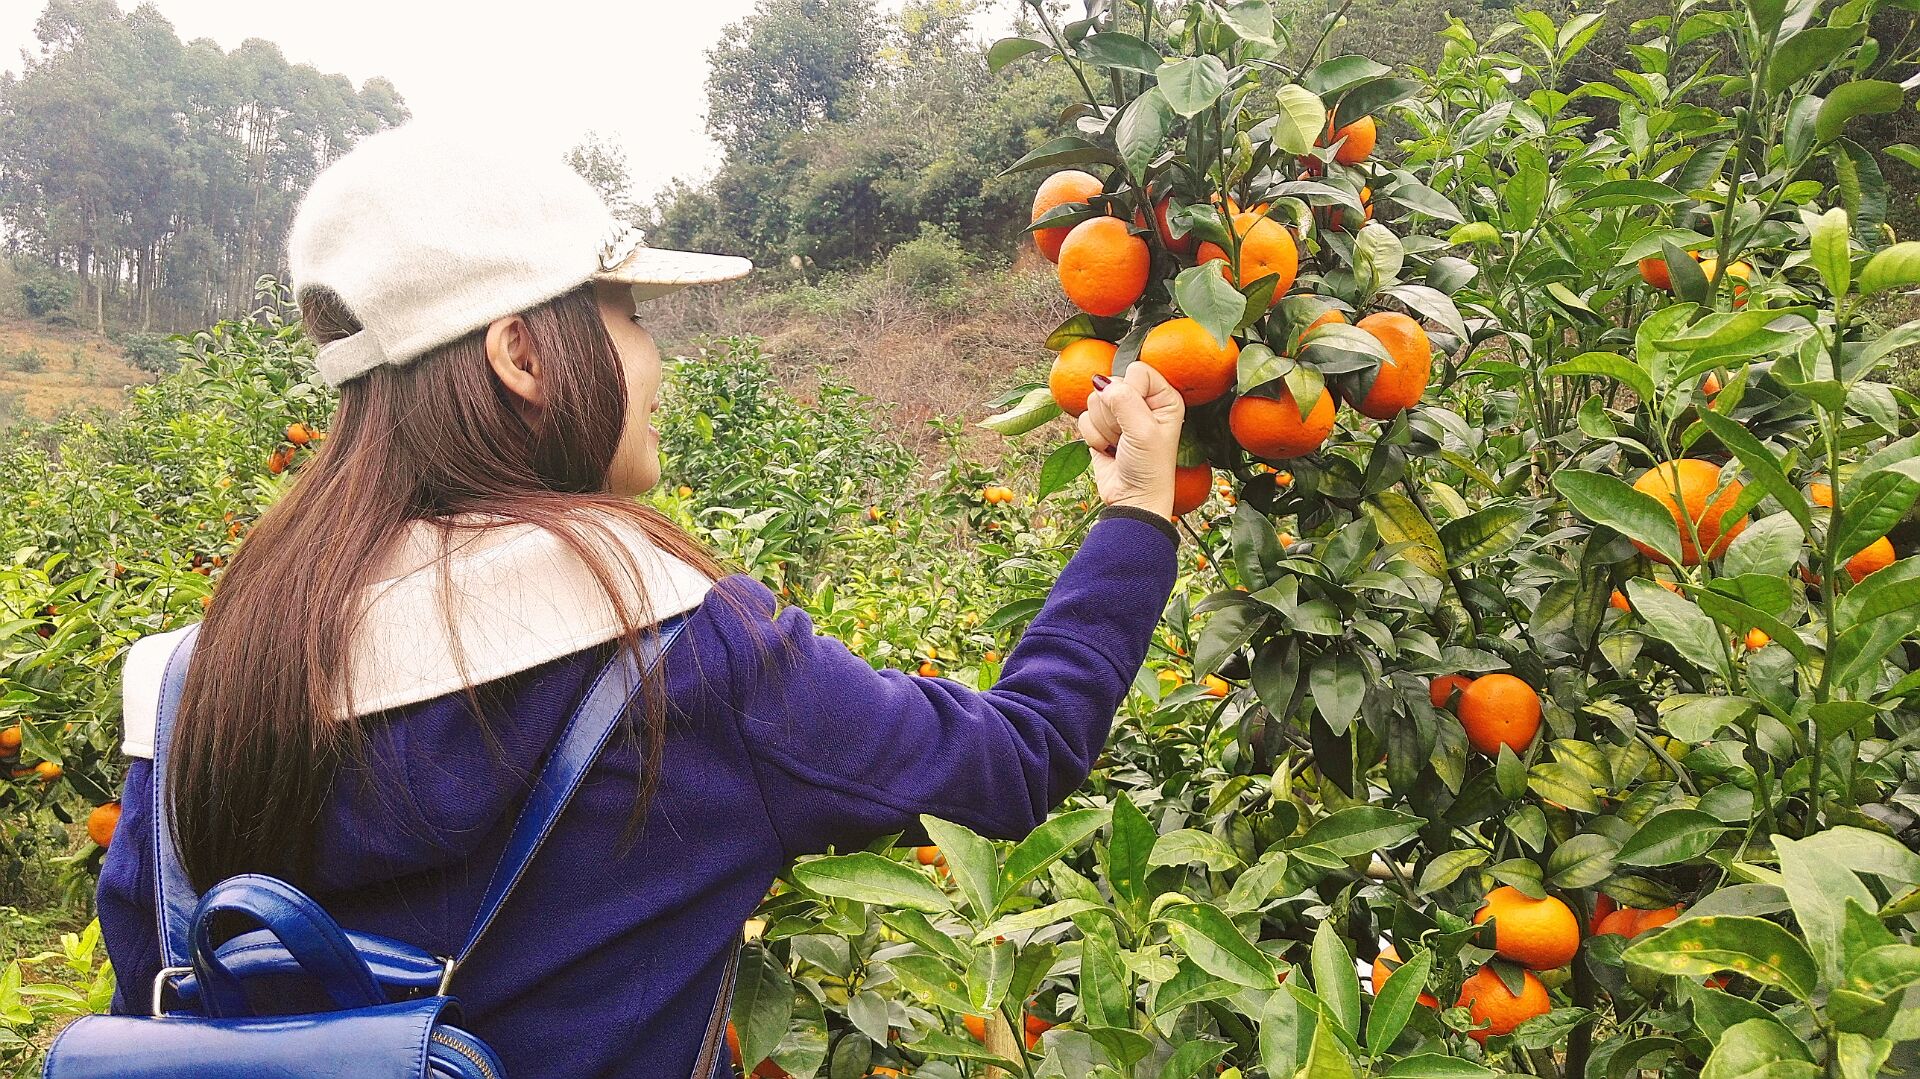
(447, 963)
(160, 981)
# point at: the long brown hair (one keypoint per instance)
(256, 750)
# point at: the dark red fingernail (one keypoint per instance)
(1101, 382)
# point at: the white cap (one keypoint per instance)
(429, 232)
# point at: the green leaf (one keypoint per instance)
(866, 877)
(1400, 521)
(762, 1003)
(1633, 193)
(1874, 505)
(1065, 150)
(1260, 365)
(938, 1043)
(1008, 49)
(1359, 830)
(1189, 845)
(969, 859)
(1370, 97)
(1064, 465)
(1209, 938)
(1128, 852)
(1438, 1066)
(1806, 53)
(1486, 533)
(1754, 947)
(1897, 266)
(1339, 685)
(1582, 861)
(1227, 632)
(1300, 119)
(1044, 846)
(1335, 981)
(1609, 501)
(1208, 298)
(1474, 232)
(1677, 835)
(1693, 717)
(1829, 236)
(1608, 365)
(1142, 128)
(1193, 83)
(1378, 256)
(1033, 410)
(1037, 918)
(1680, 623)
(1327, 1058)
(1759, 1049)
(1393, 1005)
(1861, 97)
(1286, 1033)
(1123, 51)
(1761, 462)
(932, 981)
(1446, 868)
(1251, 19)
(1818, 883)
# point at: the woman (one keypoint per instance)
(394, 646)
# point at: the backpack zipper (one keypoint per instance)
(450, 1042)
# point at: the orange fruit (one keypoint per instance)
(1497, 710)
(1216, 685)
(1266, 247)
(1361, 134)
(991, 656)
(1189, 358)
(48, 771)
(1201, 562)
(1654, 271)
(1618, 601)
(9, 741)
(1182, 246)
(1441, 690)
(1068, 185)
(1071, 379)
(1381, 973)
(1654, 919)
(928, 855)
(1821, 494)
(1103, 266)
(1711, 385)
(1872, 558)
(1485, 996)
(1603, 905)
(1191, 486)
(102, 821)
(1740, 275)
(684, 491)
(928, 670)
(1756, 640)
(1272, 427)
(280, 459)
(1689, 482)
(299, 434)
(1402, 379)
(1331, 316)
(1539, 934)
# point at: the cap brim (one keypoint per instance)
(654, 271)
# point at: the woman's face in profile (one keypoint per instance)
(636, 462)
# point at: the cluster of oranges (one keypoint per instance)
(297, 435)
(1655, 271)
(1104, 266)
(10, 739)
(995, 496)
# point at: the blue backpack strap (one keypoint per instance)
(174, 897)
(585, 734)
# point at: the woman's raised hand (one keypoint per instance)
(1132, 425)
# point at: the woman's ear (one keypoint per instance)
(510, 353)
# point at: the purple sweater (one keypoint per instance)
(607, 966)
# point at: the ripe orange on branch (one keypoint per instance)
(1266, 247)
(1688, 483)
(1497, 710)
(1872, 558)
(1486, 997)
(102, 821)
(1381, 973)
(1191, 486)
(1539, 934)
(1183, 246)
(1071, 379)
(1442, 688)
(1361, 135)
(1069, 185)
(1103, 266)
(1189, 358)
(1403, 375)
(1273, 427)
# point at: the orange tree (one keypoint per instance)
(1558, 677)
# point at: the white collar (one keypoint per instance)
(522, 598)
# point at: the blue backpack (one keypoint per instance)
(392, 1017)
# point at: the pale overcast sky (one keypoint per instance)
(631, 69)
